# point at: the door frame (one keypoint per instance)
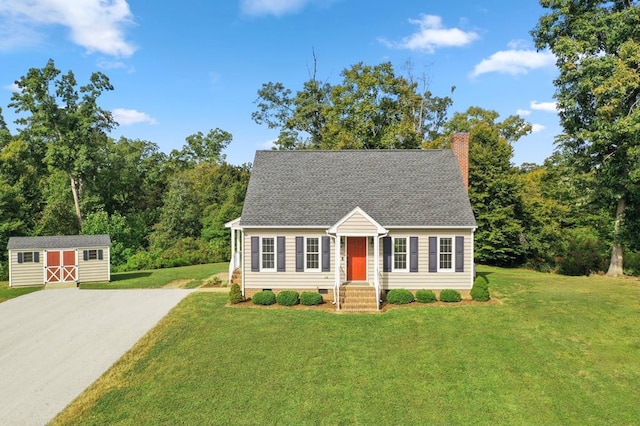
(366, 258)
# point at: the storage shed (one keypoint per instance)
(57, 260)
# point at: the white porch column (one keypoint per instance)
(336, 291)
(376, 268)
(232, 262)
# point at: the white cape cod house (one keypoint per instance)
(356, 222)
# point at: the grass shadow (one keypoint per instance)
(121, 276)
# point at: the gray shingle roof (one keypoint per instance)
(397, 188)
(58, 242)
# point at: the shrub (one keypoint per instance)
(235, 294)
(265, 297)
(310, 298)
(480, 291)
(399, 296)
(287, 298)
(425, 296)
(450, 296)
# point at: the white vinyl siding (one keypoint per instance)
(95, 270)
(357, 224)
(423, 279)
(25, 273)
(290, 278)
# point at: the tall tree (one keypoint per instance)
(495, 190)
(64, 121)
(597, 46)
(372, 107)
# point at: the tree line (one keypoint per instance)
(576, 213)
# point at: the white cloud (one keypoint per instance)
(536, 128)
(514, 61)
(127, 117)
(97, 25)
(544, 106)
(272, 7)
(270, 144)
(523, 112)
(432, 35)
(13, 87)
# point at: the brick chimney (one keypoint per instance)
(460, 148)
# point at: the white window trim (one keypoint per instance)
(319, 268)
(453, 254)
(406, 254)
(275, 254)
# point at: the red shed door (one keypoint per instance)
(61, 266)
(356, 258)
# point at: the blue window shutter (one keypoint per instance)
(326, 254)
(433, 254)
(413, 254)
(100, 255)
(85, 255)
(299, 254)
(36, 256)
(386, 254)
(281, 254)
(255, 254)
(20, 257)
(459, 254)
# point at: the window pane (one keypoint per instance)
(93, 254)
(400, 253)
(446, 253)
(268, 253)
(313, 253)
(27, 256)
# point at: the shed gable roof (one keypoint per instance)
(58, 242)
(397, 188)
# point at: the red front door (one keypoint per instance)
(61, 266)
(356, 258)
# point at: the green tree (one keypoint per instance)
(495, 190)
(202, 148)
(64, 122)
(372, 107)
(597, 46)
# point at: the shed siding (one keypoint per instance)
(25, 274)
(93, 270)
(357, 224)
(290, 279)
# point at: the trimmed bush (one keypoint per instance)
(399, 296)
(287, 298)
(480, 291)
(235, 294)
(425, 296)
(310, 298)
(450, 296)
(265, 297)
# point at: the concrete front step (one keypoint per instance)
(54, 286)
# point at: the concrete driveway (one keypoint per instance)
(55, 343)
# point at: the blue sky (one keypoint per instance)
(179, 67)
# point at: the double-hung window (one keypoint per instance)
(312, 254)
(268, 254)
(400, 254)
(445, 254)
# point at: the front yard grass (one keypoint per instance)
(558, 350)
(7, 292)
(183, 277)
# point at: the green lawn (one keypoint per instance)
(558, 350)
(7, 292)
(185, 277)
